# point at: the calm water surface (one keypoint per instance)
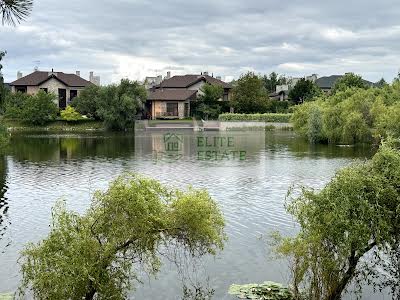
(249, 184)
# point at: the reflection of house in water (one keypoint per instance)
(4, 222)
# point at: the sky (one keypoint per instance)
(138, 38)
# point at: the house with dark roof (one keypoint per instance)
(65, 86)
(172, 98)
(326, 83)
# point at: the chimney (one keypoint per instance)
(205, 73)
(78, 73)
(91, 76)
(19, 75)
(168, 75)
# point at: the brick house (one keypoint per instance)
(172, 98)
(65, 86)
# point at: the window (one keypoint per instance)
(44, 89)
(21, 89)
(172, 109)
(73, 94)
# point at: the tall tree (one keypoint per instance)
(2, 87)
(249, 94)
(304, 90)
(349, 80)
(15, 11)
(209, 101)
(272, 80)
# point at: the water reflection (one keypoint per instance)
(4, 221)
(42, 168)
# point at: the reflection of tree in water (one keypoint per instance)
(3, 200)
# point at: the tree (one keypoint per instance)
(15, 104)
(87, 101)
(304, 90)
(381, 83)
(349, 80)
(271, 81)
(39, 109)
(2, 87)
(15, 11)
(249, 94)
(347, 230)
(132, 224)
(119, 104)
(209, 103)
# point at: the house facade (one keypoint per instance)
(173, 97)
(65, 86)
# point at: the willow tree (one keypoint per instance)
(349, 231)
(15, 11)
(130, 225)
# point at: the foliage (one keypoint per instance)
(130, 225)
(282, 118)
(209, 102)
(276, 106)
(4, 137)
(349, 80)
(265, 291)
(304, 90)
(2, 87)
(116, 105)
(347, 230)
(70, 114)
(272, 80)
(87, 102)
(39, 108)
(14, 11)
(351, 116)
(249, 94)
(14, 104)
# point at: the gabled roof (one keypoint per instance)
(38, 77)
(328, 82)
(167, 94)
(186, 81)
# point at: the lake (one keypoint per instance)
(248, 173)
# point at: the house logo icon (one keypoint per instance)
(173, 142)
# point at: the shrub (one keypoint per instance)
(14, 104)
(70, 114)
(283, 118)
(87, 101)
(39, 109)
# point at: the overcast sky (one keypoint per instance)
(138, 38)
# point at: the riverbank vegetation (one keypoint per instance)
(268, 117)
(116, 105)
(349, 231)
(350, 115)
(128, 227)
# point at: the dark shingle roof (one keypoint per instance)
(170, 94)
(185, 81)
(328, 82)
(38, 77)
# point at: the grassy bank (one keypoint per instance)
(270, 117)
(56, 126)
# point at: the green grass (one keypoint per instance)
(63, 126)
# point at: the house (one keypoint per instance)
(65, 86)
(281, 93)
(326, 83)
(172, 98)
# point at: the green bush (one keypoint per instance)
(282, 118)
(70, 114)
(14, 104)
(39, 109)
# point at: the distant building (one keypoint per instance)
(93, 79)
(65, 86)
(172, 98)
(326, 83)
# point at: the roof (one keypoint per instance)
(177, 95)
(38, 77)
(185, 81)
(328, 82)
